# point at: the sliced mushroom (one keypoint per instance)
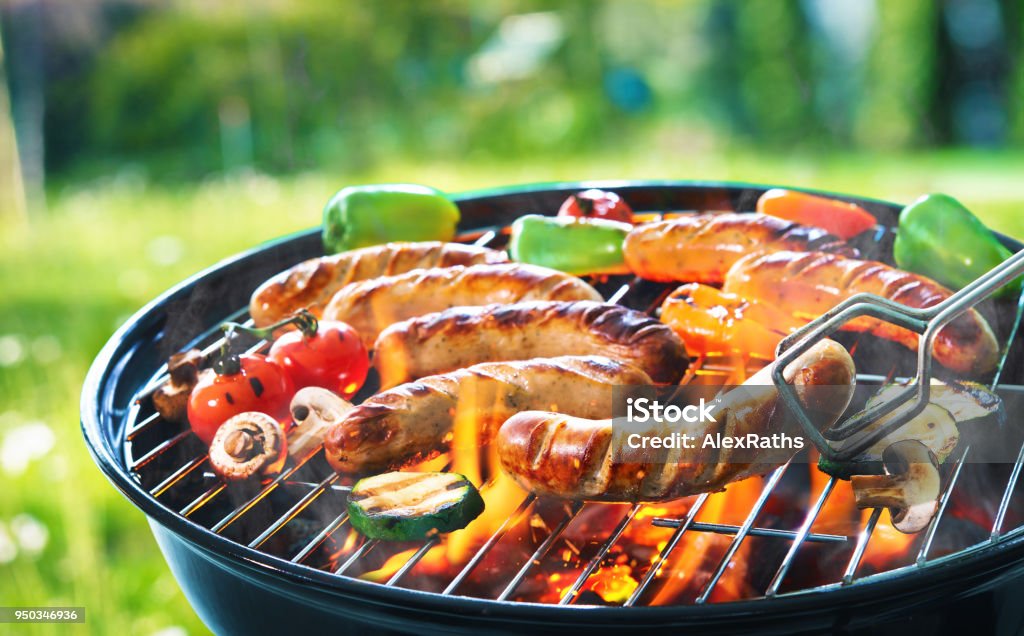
(171, 398)
(247, 445)
(314, 410)
(910, 490)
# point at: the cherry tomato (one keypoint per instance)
(598, 204)
(333, 358)
(259, 385)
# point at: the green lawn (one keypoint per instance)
(71, 276)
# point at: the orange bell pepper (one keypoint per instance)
(843, 219)
(712, 322)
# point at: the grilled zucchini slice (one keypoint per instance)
(401, 506)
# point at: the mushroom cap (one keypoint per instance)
(246, 445)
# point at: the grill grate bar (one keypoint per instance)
(1017, 319)
(320, 537)
(356, 555)
(620, 293)
(672, 542)
(933, 526)
(771, 533)
(862, 544)
(574, 589)
(413, 560)
(513, 520)
(299, 506)
(141, 426)
(541, 551)
(758, 507)
(802, 536)
(178, 475)
(232, 516)
(160, 449)
(1004, 504)
(203, 499)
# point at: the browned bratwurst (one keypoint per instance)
(372, 305)
(807, 285)
(416, 421)
(311, 283)
(701, 248)
(462, 336)
(573, 457)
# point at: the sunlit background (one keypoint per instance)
(142, 140)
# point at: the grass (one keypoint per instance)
(70, 276)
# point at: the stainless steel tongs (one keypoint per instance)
(912, 400)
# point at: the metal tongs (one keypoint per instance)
(912, 400)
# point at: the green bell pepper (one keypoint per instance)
(940, 238)
(569, 244)
(360, 216)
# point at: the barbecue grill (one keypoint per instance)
(282, 555)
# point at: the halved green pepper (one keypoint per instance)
(942, 239)
(569, 244)
(361, 216)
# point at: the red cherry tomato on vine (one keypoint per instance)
(597, 204)
(333, 358)
(259, 385)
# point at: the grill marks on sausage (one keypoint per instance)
(312, 283)
(372, 305)
(701, 247)
(807, 284)
(571, 456)
(415, 421)
(463, 336)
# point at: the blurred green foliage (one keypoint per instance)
(186, 89)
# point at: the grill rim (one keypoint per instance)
(105, 394)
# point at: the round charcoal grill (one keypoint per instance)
(281, 555)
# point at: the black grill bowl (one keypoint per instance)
(238, 590)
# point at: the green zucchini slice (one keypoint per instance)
(400, 506)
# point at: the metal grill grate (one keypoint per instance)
(300, 514)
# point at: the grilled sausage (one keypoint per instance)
(574, 458)
(462, 336)
(372, 305)
(311, 284)
(809, 284)
(416, 421)
(702, 247)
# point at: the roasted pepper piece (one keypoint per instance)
(843, 219)
(361, 216)
(940, 238)
(569, 244)
(712, 322)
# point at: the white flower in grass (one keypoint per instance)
(30, 533)
(24, 444)
(46, 349)
(165, 250)
(12, 350)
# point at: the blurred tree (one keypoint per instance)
(12, 191)
(895, 107)
(759, 70)
(23, 37)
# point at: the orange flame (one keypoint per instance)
(433, 561)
